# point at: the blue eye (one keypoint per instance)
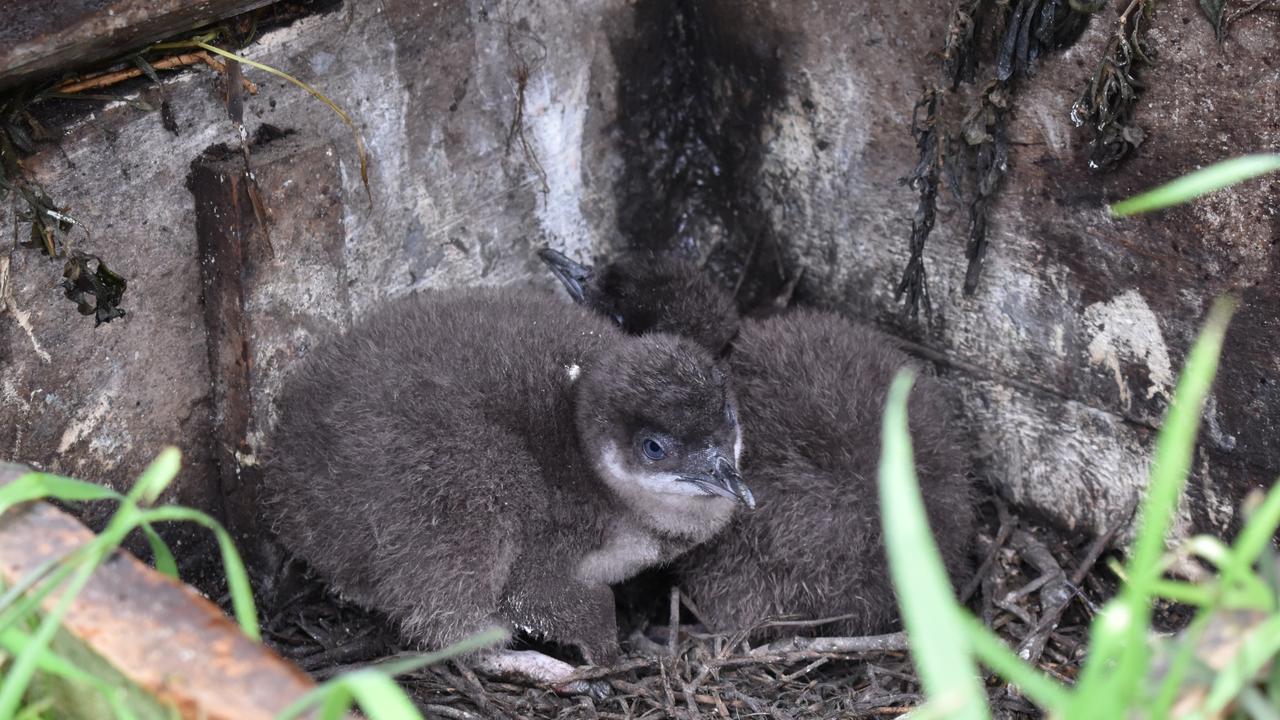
(653, 449)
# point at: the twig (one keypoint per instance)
(1033, 645)
(693, 608)
(806, 623)
(673, 626)
(834, 645)
(448, 712)
(106, 79)
(1002, 536)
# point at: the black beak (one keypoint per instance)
(570, 274)
(724, 481)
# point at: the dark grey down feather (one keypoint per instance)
(811, 388)
(469, 458)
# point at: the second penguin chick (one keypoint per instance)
(476, 457)
(811, 388)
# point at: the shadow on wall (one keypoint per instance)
(695, 99)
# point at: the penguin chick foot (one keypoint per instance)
(534, 668)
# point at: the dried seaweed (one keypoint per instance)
(924, 180)
(1108, 102)
(1212, 10)
(985, 130)
(1215, 11)
(167, 119)
(95, 291)
(972, 154)
(1037, 27)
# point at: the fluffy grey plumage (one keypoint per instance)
(811, 388)
(461, 459)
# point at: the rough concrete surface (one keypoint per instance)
(762, 135)
(433, 87)
(1067, 354)
(39, 38)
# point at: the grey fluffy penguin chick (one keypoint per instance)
(466, 458)
(811, 389)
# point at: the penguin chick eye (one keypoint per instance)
(653, 449)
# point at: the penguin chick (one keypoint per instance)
(476, 457)
(811, 388)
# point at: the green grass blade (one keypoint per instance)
(939, 646)
(380, 698)
(1171, 461)
(1257, 706)
(18, 602)
(1258, 649)
(1195, 594)
(166, 564)
(1095, 695)
(237, 576)
(48, 568)
(1175, 446)
(993, 653)
(485, 639)
(18, 677)
(1258, 531)
(336, 702)
(156, 477)
(1182, 662)
(1200, 182)
(388, 670)
(39, 486)
(13, 641)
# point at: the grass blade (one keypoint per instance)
(18, 603)
(38, 486)
(160, 552)
(1181, 663)
(1200, 182)
(337, 703)
(488, 638)
(19, 674)
(1258, 532)
(939, 645)
(993, 653)
(13, 641)
(380, 698)
(237, 576)
(1114, 676)
(1256, 651)
(323, 693)
(1175, 446)
(156, 477)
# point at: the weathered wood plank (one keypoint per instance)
(41, 38)
(157, 634)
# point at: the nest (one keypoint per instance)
(1038, 589)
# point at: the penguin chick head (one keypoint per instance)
(657, 416)
(646, 292)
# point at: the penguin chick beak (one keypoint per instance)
(723, 481)
(570, 274)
